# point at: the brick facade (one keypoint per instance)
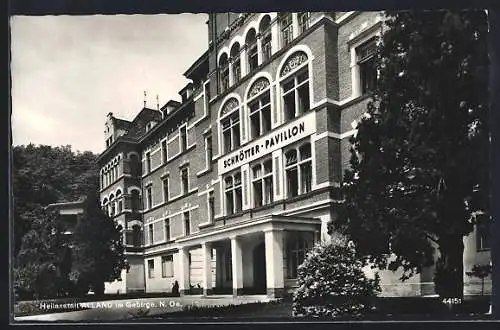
(326, 43)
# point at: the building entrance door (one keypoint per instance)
(259, 268)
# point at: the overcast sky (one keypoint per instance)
(68, 72)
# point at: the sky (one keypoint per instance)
(68, 72)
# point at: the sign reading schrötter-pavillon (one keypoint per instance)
(274, 140)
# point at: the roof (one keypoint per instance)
(203, 59)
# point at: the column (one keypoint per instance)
(243, 60)
(275, 282)
(259, 48)
(183, 271)
(237, 266)
(275, 36)
(295, 25)
(230, 66)
(206, 250)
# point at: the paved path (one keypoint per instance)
(114, 310)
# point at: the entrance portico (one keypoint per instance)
(249, 255)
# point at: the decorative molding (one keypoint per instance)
(293, 61)
(258, 86)
(229, 106)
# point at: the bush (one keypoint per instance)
(332, 283)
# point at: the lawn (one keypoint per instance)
(400, 308)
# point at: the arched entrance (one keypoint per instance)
(259, 268)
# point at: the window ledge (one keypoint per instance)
(203, 172)
(206, 225)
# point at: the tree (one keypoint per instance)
(481, 272)
(332, 283)
(419, 160)
(98, 252)
(41, 266)
(42, 175)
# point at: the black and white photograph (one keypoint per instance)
(251, 167)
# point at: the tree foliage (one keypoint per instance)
(42, 175)
(98, 252)
(47, 262)
(332, 283)
(419, 162)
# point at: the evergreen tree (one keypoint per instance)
(419, 164)
(98, 252)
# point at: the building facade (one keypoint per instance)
(226, 190)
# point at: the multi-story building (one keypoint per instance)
(226, 190)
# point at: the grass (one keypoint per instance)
(33, 307)
(387, 308)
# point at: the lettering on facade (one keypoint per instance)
(276, 140)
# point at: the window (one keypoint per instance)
(236, 65)
(483, 234)
(149, 197)
(136, 236)
(262, 183)
(136, 200)
(151, 268)
(119, 201)
(297, 250)
(233, 193)
(187, 223)
(148, 162)
(223, 73)
(298, 168)
(211, 206)
(304, 19)
(185, 181)
(167, 230)
(164, 151)
(208, 151)
(150, 233)
(112, 204)
(252, 53)
(166, 183)
(365, 56)
(295, 91)
(167, 266)
(286, 28)
(231, 131)
(265, 32)
(183, 138)
(260, 114)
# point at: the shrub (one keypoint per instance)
(331, 283)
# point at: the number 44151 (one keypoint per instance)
(452, 301)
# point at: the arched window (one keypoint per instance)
(298, 169)
(136, 200)
(224, 72)
(236, 64)
(286, 28)
(265, 33)
(112, 203)
(259, 107)
(230, 125)
(119, 201)
(105, 205)
(295, 87)
(233, 193)
(252, 52)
